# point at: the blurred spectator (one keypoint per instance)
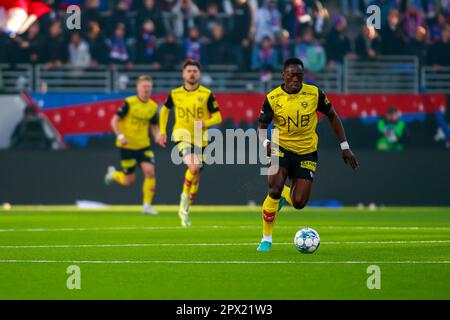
(240, 31)
(120, 16)
(439, 52)
(118, 50)
(169, 53)
(33, 132)
(320, 17)
(31, 45)
(437, 26)
(56, 46)
(283, 46)
(218, 49)
(413, 18)
(146, 44)
(148, 11)
(443, 130)
(368, 44)
(393, 39)
(246, 54)
(184, 13)
(392, 131)
(90, 13)
(265, 57)
(294, 17)
(267, 20)
(418, 46)
(193, 47)
(210, 19)
(337, 43)
(311, 52)
(79, 55)
(98, 47)
(385, 7)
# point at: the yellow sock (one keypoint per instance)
(188, 177)
(193, 191)
(286, 193)
(119, 177)
(148, 190)
(270, 208)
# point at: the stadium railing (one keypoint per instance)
(72, 79)
(218, 78)
(435, 80)
(385, 74)
(16, 78)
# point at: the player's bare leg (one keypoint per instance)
(300, 192)
(271, 205)
(193, 171)
(148, 188)
(194, 189)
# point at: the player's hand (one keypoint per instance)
(200, 124)
(268, 145)
(122, 139)
(350, 159)
(162, 140)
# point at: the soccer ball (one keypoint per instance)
(307, 240)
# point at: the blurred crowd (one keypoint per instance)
(250, 34)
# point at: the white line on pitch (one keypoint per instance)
(221, 262)
(213, 227)
(117, 245)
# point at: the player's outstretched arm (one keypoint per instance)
(338, 128)
(262, 135)
(163, 119)
(115, 127)
(214, 120)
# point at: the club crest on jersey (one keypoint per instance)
(200, 99)
(304, 104)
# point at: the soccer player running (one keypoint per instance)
(131, 125)
(292, 108)
(195, 111)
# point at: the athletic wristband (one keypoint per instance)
(345, 145)
(121, 136)
(266, 142)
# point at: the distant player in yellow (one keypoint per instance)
(131, 125)
(292, 107)
(196, 109)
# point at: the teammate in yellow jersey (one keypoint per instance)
(292, 107)
(195, 109)
(131, 125)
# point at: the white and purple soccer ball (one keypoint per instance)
(307, 240)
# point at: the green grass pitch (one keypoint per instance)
(124, 255)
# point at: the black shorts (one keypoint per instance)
(301, 166)
(186, 148)
(129, 159)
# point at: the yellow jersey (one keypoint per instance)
(294, 115)
(135, 119)
(191, 106)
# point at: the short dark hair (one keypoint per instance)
(292, 61)
(191, 62)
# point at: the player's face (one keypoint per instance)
(191, 74)
(144, 89)
(293, 77)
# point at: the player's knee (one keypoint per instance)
(275, 192)
(129, 180)
(194, 169)
(149, 173)
(299, 203)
